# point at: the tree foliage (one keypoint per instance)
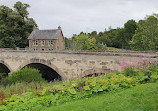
(83, 42)
(15, 25)
(136, 36)
(146, 36)
(129, 30)
(118, 38)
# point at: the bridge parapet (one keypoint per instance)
(75, 64)
(148, 54)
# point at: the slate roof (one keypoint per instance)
(45, 34)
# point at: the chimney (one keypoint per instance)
(59, 27)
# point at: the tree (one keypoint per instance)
(129, 30)
(67, 43)
(93, 34)
(7, 42)
(15, 25)
(83, 42)
(146, 36)
(115, 37)
(120, 40)
(22, 9)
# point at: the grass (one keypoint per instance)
(113, 48)
(140, 98)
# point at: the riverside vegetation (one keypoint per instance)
(32, 91)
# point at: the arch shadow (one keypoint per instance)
(41, 66)
(4, 67)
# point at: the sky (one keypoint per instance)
(75, 16)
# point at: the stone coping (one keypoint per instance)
(147, 54)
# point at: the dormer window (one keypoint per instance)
(35, 43)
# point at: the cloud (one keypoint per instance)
(75, 16)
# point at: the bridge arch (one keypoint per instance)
(95, 71)
(4, 67)
(49, 67)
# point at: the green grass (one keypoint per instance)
(140, 98)
(113, 48)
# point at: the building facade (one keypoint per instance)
(46, 40)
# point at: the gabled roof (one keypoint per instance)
(45, 34)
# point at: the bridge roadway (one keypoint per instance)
(72, 64)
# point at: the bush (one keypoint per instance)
(129, 71)
(101, 46)
(67, 91)
(24, 75)
(145, 71)
(2, 75)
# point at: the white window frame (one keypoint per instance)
(43, 43)
(35, 49)
(35, 43)
(50, 42)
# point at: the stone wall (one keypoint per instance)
(46, 47)
(74, 64)
(61, 42)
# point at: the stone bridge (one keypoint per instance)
(71, 64)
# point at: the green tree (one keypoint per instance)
(120, 37)
(15, 25)
(129, 30)
(67, 42)
(116, 37)
(93, 34)
(7, 42)
(83, 42)
(146, 36)
(22, 9)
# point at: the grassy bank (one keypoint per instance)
(140, 98)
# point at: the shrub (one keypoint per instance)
(67, 91)
(2, 75)
(129, 71)
(145, 71)
(101, 46)
(24, 75)
(154, 77)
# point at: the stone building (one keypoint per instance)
(46, 40)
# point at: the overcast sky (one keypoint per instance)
(75, 16)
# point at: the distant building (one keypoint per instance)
(46, 40)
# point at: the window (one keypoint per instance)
(35, 49)
(42, 42)
(50, 42)
(50, 49)
(35, 43)
(42, 49)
